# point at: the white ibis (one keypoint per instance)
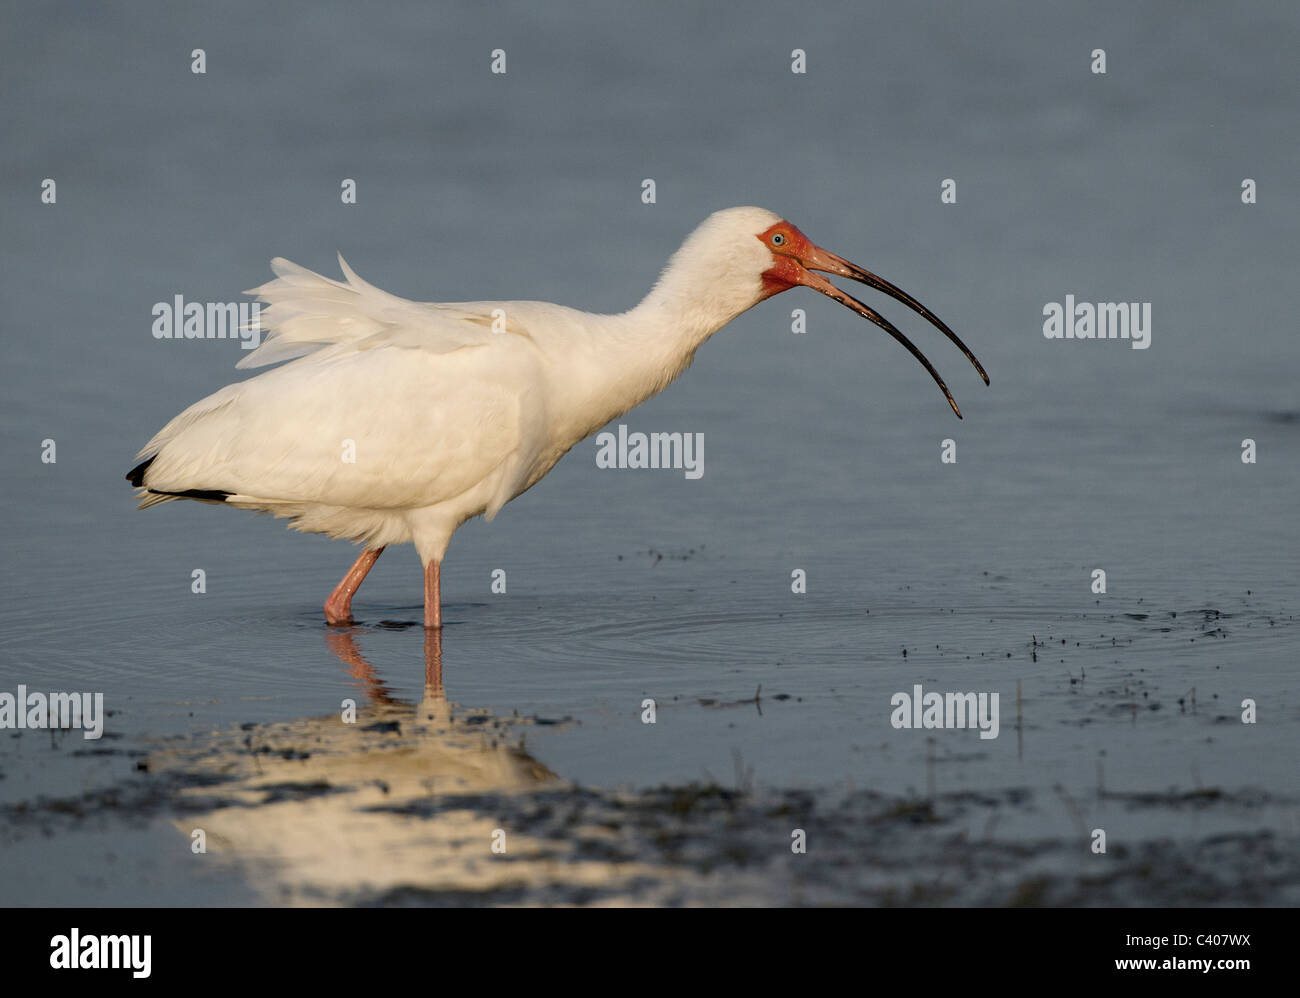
(400, 420)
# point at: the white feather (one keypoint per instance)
(306, 311)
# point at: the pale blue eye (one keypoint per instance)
(778, 239)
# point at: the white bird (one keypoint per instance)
(400, 420)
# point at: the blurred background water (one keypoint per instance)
(822, 450)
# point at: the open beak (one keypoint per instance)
(820, 259)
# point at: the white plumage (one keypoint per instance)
(396, 420)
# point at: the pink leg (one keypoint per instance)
(338, 608)
(432, 596)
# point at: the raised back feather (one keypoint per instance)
(306, 311)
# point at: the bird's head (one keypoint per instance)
(755, 254)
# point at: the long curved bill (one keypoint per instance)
(820, 259)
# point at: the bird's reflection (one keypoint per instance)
(382, 796)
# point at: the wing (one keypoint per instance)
(383, 428)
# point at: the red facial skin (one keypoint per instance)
(786, 270)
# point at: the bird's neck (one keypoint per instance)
(689, 303)
(649, 346)
(635, 355)
(686, 306)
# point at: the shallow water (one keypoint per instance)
(822, 450)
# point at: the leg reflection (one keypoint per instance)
(344, 647)
(433, 664)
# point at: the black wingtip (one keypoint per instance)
(206, 495)
(136, 475)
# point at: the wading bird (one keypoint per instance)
(400, 420)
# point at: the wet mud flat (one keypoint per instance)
(433, 804)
